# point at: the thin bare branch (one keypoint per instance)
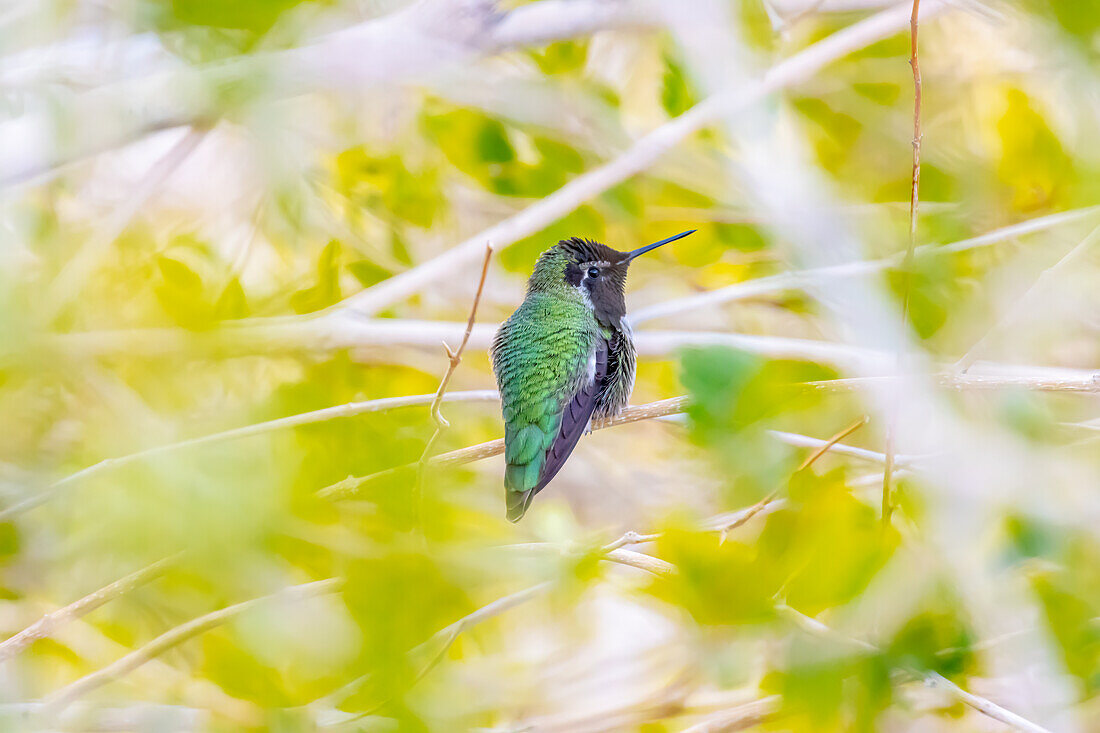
(810, 459)
(349, 487)
(742, 717)
(454, 359)
(45, 626)
(57, 701)
(907, 267)
(1087, 382)
(983, 705)
(338, 333)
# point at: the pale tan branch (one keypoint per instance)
(349, 487)
(454, 359)
(907, 267)
(57, 701)
(45, 626)
(1088, 382)
(742, 717)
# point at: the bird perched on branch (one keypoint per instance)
(565, 356)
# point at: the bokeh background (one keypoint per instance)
(219, 217)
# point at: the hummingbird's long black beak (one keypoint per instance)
(642, 250)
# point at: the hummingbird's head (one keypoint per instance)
(593, 271)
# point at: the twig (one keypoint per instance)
(57, 701)
(1023, 301)
(349, 487)
(810, 459)
(743, 716)
(45, 626)
(987, 707)
(635, 160)
(984, 706)
(455, 358)
(907, 267)
(1087, 383)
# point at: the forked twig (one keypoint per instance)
(907, 275)
(454, 359)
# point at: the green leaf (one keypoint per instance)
(368, 273)
(327, 289)
(677, 95)
(232, 303)
(718, 584)
(561, 57)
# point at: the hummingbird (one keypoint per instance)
(564, 357)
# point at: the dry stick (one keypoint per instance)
(348, 487)
(1023, 301)
(809, 461)
(45, 626)
(742, 717)
(57, 701)
(914, 204)
(1085, 384)
(959, 382)
(455, 358)
(932, 679)
(638, 158)
(741, 517)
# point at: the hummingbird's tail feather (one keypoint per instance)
(518, 501)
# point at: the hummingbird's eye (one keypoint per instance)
(593, 272)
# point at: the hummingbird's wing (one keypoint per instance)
(547, 400)
(574, 421)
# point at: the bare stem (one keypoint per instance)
(349, 487)
(907, 275)
(455, 358)
(62, 698)
(45, 626)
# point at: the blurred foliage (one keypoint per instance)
(290, 205)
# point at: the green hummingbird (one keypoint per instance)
(565, 356)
